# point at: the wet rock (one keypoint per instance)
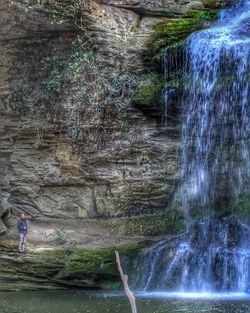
(53, 268)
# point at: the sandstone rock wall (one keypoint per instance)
(39, 172)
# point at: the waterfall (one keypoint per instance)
(214, 254)
(216, 122)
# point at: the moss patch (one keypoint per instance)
(172, 31)
(132, 249)
(149, 90)
(97, 269)
(170, 34)
(149, 95)
(101, 262)
(59, 268)
(8, 245)
(241, 208)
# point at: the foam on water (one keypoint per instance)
(194, 295)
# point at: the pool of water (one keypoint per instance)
(98, 302)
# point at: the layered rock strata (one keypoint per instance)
(130, 167)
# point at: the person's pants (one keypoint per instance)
(22, 242)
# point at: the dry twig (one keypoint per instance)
(124, 278)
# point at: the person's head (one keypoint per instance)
(23, 216)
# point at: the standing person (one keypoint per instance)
(22, 227)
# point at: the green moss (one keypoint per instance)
(170, 34)
(178, 127)
(175, 80)
(57, 268)
(149, 90)
(133, 248)
(8, 245)
(203, 15)
(97, 269)
(174, 31)
(241, 207)
(101, 262)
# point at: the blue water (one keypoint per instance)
(94, 302)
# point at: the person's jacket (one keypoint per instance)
(22, 226)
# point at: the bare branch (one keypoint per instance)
(124, 278)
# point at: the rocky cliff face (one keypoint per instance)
(127, 162)
(73, 144)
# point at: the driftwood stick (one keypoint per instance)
(124, 278)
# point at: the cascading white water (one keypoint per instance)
(216, 125)
(215, 255)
